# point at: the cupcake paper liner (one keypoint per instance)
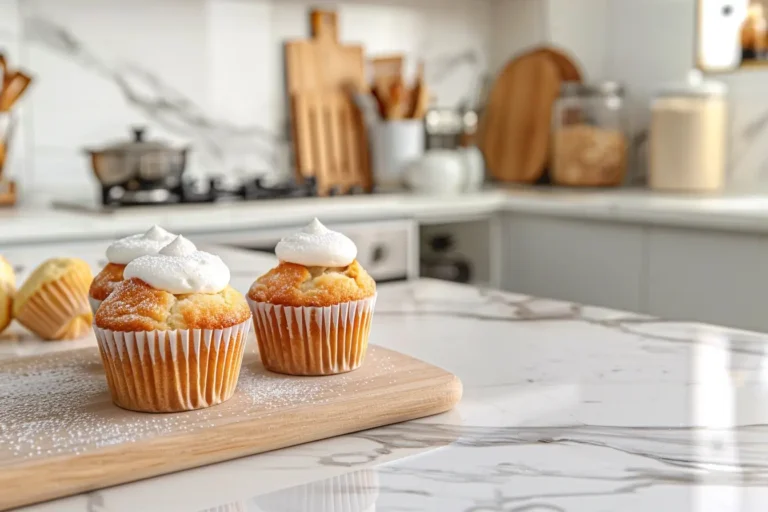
(313, 340)
(171, 371)
(59, 309)
(95, 303)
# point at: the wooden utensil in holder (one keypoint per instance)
(13, 85)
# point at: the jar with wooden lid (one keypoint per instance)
(589, 135)
(688, 136)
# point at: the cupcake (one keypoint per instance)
(173, 333)
(312, 313)
(7, 291)
(53, 301)
(119, 254)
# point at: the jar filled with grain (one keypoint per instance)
(589, 136)
(688, 136)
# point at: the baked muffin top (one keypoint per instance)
(136, 306)
(290, 284)
(317, 269)
(48, 272)
(177, 288)
(106, 280)
(7, 276)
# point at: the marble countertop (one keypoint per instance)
(565, 408)
(39, 222)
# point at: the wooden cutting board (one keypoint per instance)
(61, 434)
(515, 130)
(322, 63)
(331, 141)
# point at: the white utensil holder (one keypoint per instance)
(395, 145)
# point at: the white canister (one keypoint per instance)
(688, 136)
(395, 145)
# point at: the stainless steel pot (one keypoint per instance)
(139, 163)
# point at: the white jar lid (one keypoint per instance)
(695, 86)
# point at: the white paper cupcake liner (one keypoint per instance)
(95, 303)
(313, 340)
(59, 310)
(169, 371)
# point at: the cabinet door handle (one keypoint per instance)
(378, 254)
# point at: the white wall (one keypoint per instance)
(204, 72)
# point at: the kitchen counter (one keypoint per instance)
(565, 407)
(39, 222)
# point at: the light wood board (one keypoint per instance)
(61, 434)
(514, 133)
(330, 138)
(331, 141)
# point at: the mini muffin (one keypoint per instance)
(172, 334)
(7, 291)
(119, 254)
(53, 301)
(312, 313)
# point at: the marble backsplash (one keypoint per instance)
(207, 73)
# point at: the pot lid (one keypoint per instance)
(138, 144)
(695, 85)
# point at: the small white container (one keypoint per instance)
(688, 137)
(395, 145)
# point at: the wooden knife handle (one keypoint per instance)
(324, 24)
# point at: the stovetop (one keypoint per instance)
(207, 191)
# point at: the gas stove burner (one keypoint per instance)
(210, 190)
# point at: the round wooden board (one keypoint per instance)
(515, 130)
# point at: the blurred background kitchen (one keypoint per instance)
(611, 152)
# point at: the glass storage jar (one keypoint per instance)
(589, 135)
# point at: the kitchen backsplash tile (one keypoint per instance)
(208, 73)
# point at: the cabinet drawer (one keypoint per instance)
(383, 252)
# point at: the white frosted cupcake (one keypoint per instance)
(173, 333)
(313, 312)
(119, 254)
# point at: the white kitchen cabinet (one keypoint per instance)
(709, 276)
(582, 261)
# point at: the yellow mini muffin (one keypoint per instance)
(7, 291)
(53, 301)
(173, 349)
(119, 254)
(312, 313)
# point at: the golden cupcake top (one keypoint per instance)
(136, 306)
(289, 284)
(48, 272)
(106, 280)
(7, 276)
(317, 269)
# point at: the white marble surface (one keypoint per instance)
(565, 408)
(38, 222)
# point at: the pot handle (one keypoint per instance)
(138, 134)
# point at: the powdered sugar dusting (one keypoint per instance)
(60, 404)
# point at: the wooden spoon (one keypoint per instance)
(15, 85)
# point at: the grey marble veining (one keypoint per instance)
(566, 408)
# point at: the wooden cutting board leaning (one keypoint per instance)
(62, 435)
(514, 132)
(330, 138)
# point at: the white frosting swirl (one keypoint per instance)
(179, 268)
(317, 246)
(127, 249)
